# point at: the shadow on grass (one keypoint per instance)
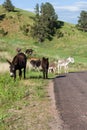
(39, 77)
(61, 76)
(34, 77)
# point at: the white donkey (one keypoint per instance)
(64, 63)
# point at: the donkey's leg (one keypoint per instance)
(24, 73)
(14, 75)
(20, 73)
(67, 69)
(58, 69)
(46, 74)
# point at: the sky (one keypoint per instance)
(67, 10)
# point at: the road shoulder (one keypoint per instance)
(56, 123)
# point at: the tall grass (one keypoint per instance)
(9, 90)
(12, 92)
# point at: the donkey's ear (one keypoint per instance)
(8, 61)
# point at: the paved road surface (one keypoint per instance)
(71, 99)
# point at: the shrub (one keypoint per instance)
(59, 34)
(2, 16)
(3, 32)
(25, 29)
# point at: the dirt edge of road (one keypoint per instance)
(57, 123)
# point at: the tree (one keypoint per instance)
(46, 23)
(50, 17)
(8, 5)
(82, 22)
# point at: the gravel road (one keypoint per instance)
(71, 100)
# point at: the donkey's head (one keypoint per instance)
(70, 59)
(12, 68)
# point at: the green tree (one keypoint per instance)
(8, 5)
(46, 23)
(82, 22)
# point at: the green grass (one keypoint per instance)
(74, 44)
(12, 92)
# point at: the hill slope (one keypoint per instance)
(13, 22)
(73, 43)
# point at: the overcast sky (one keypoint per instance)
(67, 10)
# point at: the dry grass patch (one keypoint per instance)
(4, 67)
(32, 112)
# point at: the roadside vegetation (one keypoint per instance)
(23, 104)
(28, 100)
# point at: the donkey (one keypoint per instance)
(64, 63)
(34, 64)
(45, 67)
(18, 63)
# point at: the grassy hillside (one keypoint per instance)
(12, 22)
(22, 101)
(73, 43)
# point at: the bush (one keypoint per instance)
(25, 29)
(3, 32)
(59, 34)
(2, 16)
